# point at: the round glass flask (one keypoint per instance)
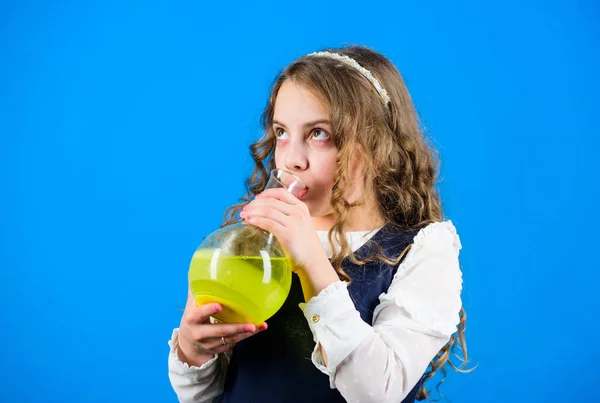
(243, 267)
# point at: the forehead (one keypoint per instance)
(296, 103)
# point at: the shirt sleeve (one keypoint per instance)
(413, 321)
(196, 384)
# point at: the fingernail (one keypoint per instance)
(263, 327)
(243, 213)
(250, 328)
(217, 308)
(245, 207)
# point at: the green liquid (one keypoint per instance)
(249, 288)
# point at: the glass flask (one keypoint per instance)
(243, 267)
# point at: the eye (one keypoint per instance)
(319, 135)
(281, 134)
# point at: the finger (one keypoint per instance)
(218, 330)
(267, 212)
(271, 202)
(230, 341)
(201, 314)
(280, 194)
(214, 344)
(267, 224)
(222, 349)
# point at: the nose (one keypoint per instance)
(296, 158)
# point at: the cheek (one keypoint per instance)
(326, 177)
(328, 168)
(278, 157)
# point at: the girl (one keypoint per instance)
(375, 305)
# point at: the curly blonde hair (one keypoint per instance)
(400, 166)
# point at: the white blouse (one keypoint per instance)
(379, 363)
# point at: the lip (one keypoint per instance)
(302, 193)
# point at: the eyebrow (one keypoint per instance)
(307, 124)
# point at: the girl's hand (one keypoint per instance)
(199, 340)
(286, 217)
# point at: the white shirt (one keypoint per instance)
(381, 363)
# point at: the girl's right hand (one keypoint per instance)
(199, 339)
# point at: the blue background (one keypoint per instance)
(123, 136)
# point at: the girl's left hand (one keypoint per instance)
(286, 217)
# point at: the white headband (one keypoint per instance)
(351, 62)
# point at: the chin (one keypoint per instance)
(318, 210)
